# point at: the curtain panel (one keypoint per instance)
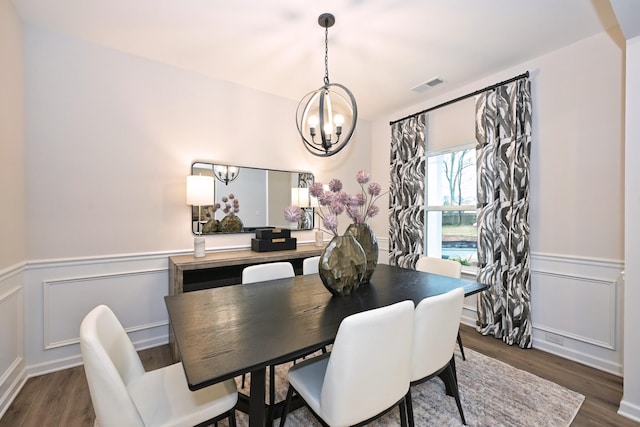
(406, 191)
(503, 133)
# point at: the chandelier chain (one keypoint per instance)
(326, 55)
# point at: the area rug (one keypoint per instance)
(492, 394)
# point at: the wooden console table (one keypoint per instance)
(188, 273)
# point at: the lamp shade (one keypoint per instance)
(300, 197)
(200, 190)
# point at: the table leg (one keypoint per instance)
(256, 398)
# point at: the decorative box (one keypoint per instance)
(272, 233)
(276, 244)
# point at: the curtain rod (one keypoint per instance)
(460, 98)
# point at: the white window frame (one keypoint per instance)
(442, 208)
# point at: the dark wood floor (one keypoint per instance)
(62, 398)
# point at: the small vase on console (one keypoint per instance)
(230, 224)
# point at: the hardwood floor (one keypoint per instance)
(62, 398)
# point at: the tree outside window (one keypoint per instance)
(451, 205)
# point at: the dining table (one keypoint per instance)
(228, 331)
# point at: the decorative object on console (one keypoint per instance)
(231, 223)
(326, 117)
(273, 239)
(199, 193)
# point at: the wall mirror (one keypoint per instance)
(251, 198)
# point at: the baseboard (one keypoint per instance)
(629, 410)
(578, 356)
(12, 390)
(76, 359)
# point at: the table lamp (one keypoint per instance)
(199, 193)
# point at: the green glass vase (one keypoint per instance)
(230, 224)
(342, 265)
(367, 239)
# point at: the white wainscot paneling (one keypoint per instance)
(577, 309)
(59, 293)
(12, 366)
(135, 297)
(580, 308)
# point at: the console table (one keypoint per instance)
(188, 273)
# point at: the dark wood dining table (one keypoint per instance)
(227, 331)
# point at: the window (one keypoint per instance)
(451, 205)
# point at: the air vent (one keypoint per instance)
(428, 84)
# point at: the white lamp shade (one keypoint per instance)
(300, 197)
(200, 190)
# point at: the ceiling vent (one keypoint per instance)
(428, 84)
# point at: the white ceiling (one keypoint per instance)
(379, 49)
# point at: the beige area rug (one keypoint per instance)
(492, 394)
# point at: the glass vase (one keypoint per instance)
(230, 224)
(367, 239)
(342, 265)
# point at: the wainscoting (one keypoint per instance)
(577, 309)
(13, 372)
(577, 306)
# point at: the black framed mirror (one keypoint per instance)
(248, 198)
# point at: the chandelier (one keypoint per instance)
(226, 173)
(326, 117)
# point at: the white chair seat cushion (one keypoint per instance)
(163, 398)
(307, 378)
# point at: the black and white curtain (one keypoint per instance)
(306, 180)
(503, 132)
(406, 191)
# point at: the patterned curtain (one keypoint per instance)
(406, 191)
(503, 132)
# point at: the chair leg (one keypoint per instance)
(285, 410)
(461, 348)
(243, 378)
(232, 418)
(409, 404)
(272, 394)
(452, 364)
(403, 412)
(451, 383)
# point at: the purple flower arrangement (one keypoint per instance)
(333, 202)
(232, 205)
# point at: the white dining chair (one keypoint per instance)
(436, 324)
(443, 267)
(123, 394)
(310, 265)
(360, 379)
(260, 273)
(269, 271)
